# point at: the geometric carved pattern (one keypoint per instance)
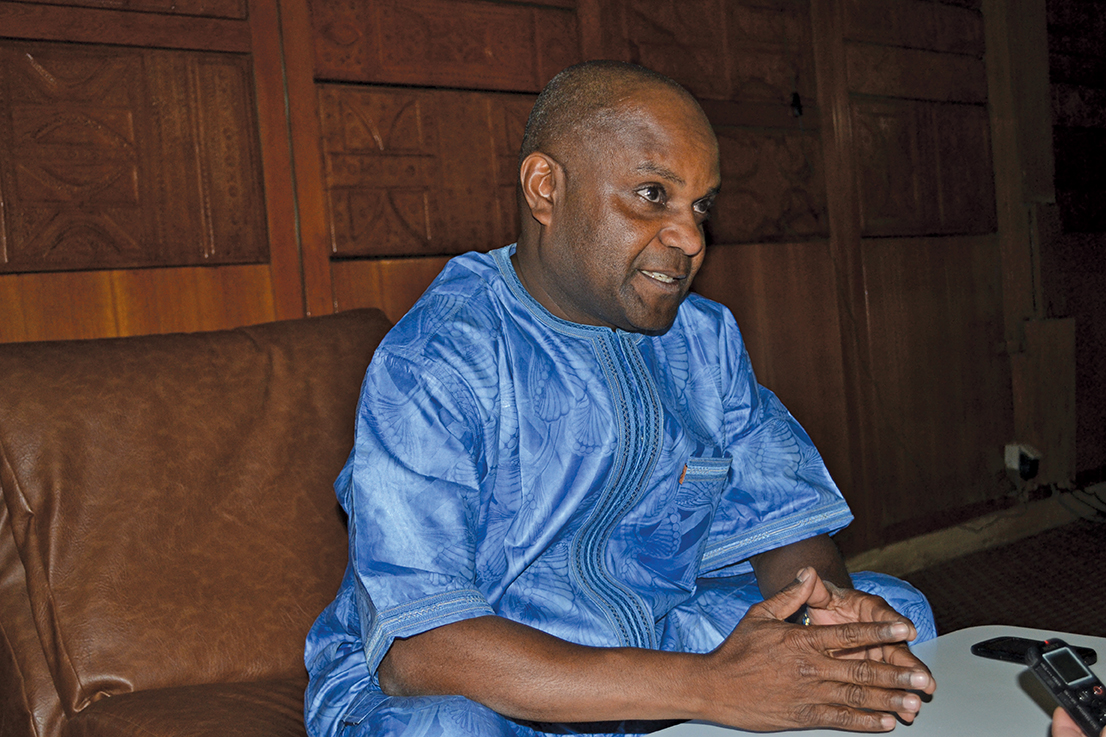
(773, 188)
(743, 50)
(448, 43)
(754, 55)
(116, 158)
(412, 172)
(771, 51)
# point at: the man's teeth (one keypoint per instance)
(659, 276)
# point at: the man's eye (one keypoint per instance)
(702, 207)
(652, 193)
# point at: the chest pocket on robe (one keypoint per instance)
(675, 545)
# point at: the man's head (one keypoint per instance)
(618, 169)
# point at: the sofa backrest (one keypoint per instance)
(168, 505)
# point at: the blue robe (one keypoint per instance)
(602, 486)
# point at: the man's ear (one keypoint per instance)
(539, 179)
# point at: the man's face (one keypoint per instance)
(626, 240)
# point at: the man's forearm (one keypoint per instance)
(767, 675)
(776, 568)
(527, 674)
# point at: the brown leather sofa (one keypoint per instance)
(168, 527)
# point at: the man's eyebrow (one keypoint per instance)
(649, 167)
(663, 172)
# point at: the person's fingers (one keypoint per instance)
(836, 716)
(900, 655)
(857, 635)
(820, 596)
(1063, 725)
(787, 600)
(872, 674)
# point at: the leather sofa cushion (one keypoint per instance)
(170, 498)
(258, 709)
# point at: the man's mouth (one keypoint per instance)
(662, 278)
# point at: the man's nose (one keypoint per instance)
(684, 233)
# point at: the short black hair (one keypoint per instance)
(582, 96)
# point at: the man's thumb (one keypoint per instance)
(787, 600)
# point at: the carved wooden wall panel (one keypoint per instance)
(750, 62)
(748, 50)
(773, 186)
(449, 43)
(119, 157)
(411, 172)
(207, 8)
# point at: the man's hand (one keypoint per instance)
(834, 602)
(773, 675)
(839, 606)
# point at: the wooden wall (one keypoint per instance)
(196, 165)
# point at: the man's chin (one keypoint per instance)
(654, 325)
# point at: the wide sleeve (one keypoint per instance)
(779, 490)
(411, 490)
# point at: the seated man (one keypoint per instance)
(568, 497)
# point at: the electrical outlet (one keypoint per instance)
(1022, 459)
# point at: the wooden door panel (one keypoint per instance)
(914, 73)
(414, 172)
(106, 304)
(449, 43)
(964, 173)
(193, 298)
(925, 168)
(939, 373)
(62, 22)
(392, 285)
(769, 50)
(920, 24)
(207, 8)
(894, 185)
(57, 306)
(680, 38)
(120, 157)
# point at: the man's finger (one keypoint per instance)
(874, 675)
(856, 635)
(901, 656)
(787, 600)
(843, 717)
(874, 698)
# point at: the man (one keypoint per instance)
(568, 495)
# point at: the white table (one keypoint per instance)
(975, 696)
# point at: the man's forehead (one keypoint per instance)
(659, 170)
